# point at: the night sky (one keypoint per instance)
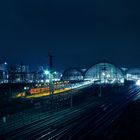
(78, 32)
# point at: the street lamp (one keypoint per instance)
(46, 72)
(55, 72)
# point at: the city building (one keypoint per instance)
(3, 73)
(19, 74)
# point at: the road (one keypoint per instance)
(81, 122)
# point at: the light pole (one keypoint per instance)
(71, 96)
(51, 86)
(71, 100)
(100, 92)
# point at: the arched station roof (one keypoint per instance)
(104, 73)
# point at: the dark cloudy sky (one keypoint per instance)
(78, 32)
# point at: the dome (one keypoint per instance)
(72, 74)
(104, 73)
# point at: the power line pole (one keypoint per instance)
(51, 86)
(21, 72)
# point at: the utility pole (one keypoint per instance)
(71, 100)
(100, 85)
(51, 86)
(21, 72)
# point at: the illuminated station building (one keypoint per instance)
(104, 73)
(101, 73)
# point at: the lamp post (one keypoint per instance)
(51, 86)
(100, 86)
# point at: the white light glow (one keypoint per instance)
(55, 72)
(46, 72)
(122, 81)
(103, 74)
(138, 83)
